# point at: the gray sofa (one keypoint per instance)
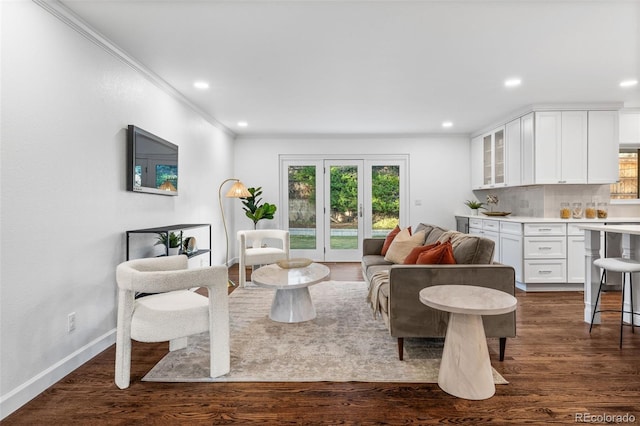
(397, 286)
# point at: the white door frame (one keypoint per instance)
(317, 160)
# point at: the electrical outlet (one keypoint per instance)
(71, 322)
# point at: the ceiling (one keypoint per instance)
(377, 67)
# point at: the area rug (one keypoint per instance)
(343, 343)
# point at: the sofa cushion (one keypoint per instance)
(412, 257)
(440, 254)
(389, 239)
(469, 249)
(424, 227)
(435, 235)
(374, 259)
(371, 270)
(402, 245)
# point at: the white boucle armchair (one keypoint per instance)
(174, 313)
(253, 249)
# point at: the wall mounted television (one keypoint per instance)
(152, 163)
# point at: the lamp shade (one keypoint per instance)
(238, 190)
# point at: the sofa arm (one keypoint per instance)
(408, 317)
(372, 246)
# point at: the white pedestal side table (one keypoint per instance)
(292, 301)
(465, 368)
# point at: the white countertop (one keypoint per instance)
(618, 229)
(528, 219)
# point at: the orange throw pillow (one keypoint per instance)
(442, 254)
(412, 258)
(389, 239)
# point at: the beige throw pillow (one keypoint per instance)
(402, 245)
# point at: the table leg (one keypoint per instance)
(465, 368)
(292, 305)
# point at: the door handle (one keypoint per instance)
(360, 211)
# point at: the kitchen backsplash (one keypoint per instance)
(544, 201)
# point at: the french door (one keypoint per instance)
(331, 204)
(343, 209)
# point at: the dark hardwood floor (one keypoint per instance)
(558, 373)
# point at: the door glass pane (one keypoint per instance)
(344, 207)
(499, 157)
(385, 199)
(487, 163)
(302, 207)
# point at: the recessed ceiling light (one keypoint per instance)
(628, 83)
(512, 82)
(447, 124)
(242, 124)
(201, 85)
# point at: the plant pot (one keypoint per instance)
(174, 251)
(474, 212)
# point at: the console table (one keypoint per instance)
(174, 228)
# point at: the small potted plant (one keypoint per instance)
(175, 241)
(474, 206)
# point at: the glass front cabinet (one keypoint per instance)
(493, 159)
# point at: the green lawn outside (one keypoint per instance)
(308, 242)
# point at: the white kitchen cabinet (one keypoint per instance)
(561, 147)
(603, 147)
(527, 149)
(537, 229)
(513, 154)
(547, 162)
(629, 127)
(511, 247)
(545, 247)
(477, 163)
(575, 258)
(548, 271)
(489, 229)
(475, 223)
(545, 256)
(493, 159)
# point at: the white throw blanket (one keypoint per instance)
(377, 280)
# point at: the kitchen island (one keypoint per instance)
(630, 249)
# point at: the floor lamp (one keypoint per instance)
(238, 190)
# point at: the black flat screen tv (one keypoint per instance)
(152, 163)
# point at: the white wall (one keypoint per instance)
(438, 167)
(65, 106)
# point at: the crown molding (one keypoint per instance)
(73, 21)
(369, 136)
(584, 106)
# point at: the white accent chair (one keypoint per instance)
(174, 313)
(252, 252)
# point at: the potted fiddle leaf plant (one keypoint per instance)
(175, 241)
(253, 208)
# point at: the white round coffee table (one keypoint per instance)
(465, 368)
(292, 301)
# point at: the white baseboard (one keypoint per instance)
(16, 398)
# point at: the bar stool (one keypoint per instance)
(626, 267)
